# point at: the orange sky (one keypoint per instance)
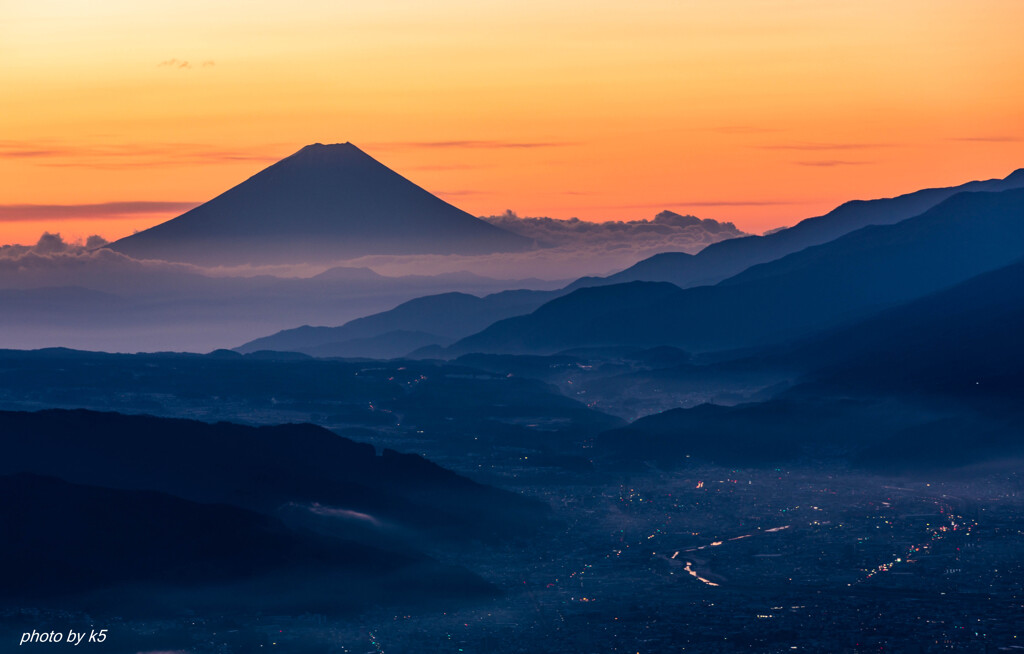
(758, 112)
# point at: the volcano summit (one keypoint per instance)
(321, 204)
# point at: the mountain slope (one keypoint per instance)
(147, 553)
(448, 316)
(963, 341)
(324, 202)
(817, 288)
(256, 468)
(934, 383)
(866, 432)
(721, 260)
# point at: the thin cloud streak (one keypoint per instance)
(31, 212)
(182, 64)
(71, 155)
(444, 167)
(199, 160)
(741, 129)
(988, 139)
(828, 163)
(471, 144)
(28, 154)
(467, 192)
(711, 203)
(820, 147)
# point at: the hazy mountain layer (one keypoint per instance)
(817, 288)
(434, 319)
(963, 342)
(107, 301)
(934, 383)
(721, 260)
(439, 320)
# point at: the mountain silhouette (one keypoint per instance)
(433, 319)
(933, 383)
(444, 318)
(962, 341)
(818, 288)
(721, 260)
(254, 468)
(142, 551)
(323, 203)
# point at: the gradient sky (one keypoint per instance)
(117, 115)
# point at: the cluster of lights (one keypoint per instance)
(937, 533)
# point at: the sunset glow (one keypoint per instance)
(119, 115)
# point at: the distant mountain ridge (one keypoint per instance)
(816, 288)
(323, 203)
(721, 260)
(963, 341)
(435, 319)
(933, 383)
(440, 319)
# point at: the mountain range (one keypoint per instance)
(431, 320)
(931, 384)
(440, 320)
(721, 260)
(819, 287)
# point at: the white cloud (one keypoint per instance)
(567, 249)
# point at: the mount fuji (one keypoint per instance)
(321, 204)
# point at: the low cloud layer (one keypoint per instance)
(667, 230)
(50, 244)
(54, 262)
(567, 249)
(82, 295)
(564, 250)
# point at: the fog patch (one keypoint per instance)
(344, 514)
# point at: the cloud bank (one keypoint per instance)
(564, 250)
(82, 295)
(47, 245)
(54, 262)
(668, 230)
(567, 249)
